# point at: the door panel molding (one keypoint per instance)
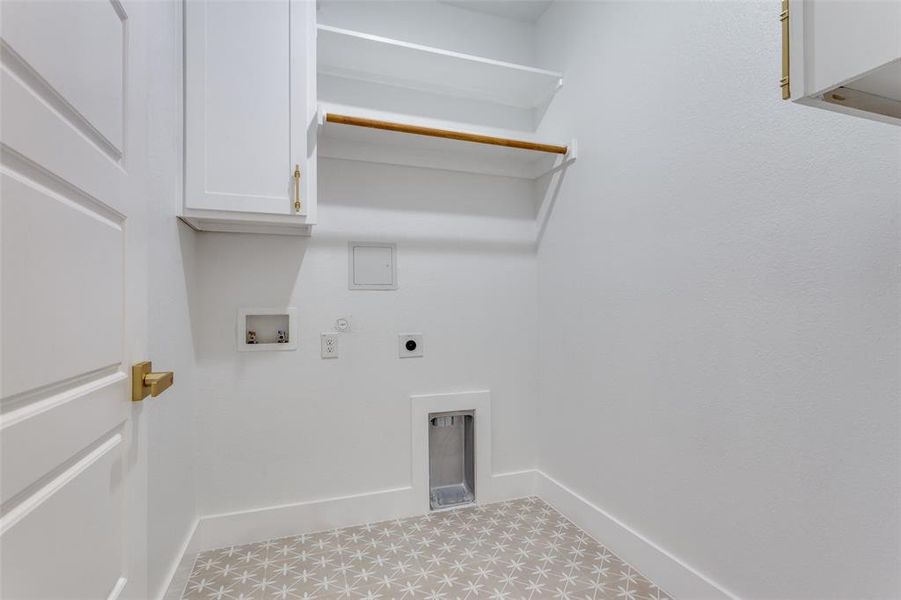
(49, 551)
(63, 299)
(42, 88)
(15, 165)
(32, 499)
(27, 456)
(89, 85)
(27, 123)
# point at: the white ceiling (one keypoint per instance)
(519, 10)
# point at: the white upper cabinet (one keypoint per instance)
(844, 55)
(250, 115)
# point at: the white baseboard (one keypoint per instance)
(244, 527)
(509, 486)
(178, 575)
(670, 573)
(660, 566)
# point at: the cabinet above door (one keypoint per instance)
(250, 101)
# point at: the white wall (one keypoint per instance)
(719, 300)
(240, 431)
(168, 420)
(286, 427)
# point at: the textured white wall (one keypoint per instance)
(719, 300)
(283, 427)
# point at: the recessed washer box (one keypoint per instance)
(371, 266)
(260, 329)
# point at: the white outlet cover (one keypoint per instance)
(328, 345)
(402, 340)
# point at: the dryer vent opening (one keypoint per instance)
(451, 459)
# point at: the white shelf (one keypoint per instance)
(355, 55)
(350, 142)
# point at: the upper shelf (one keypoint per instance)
(355, 55)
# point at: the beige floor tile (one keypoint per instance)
(517, 550)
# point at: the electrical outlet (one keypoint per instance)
(409, 345)
(328, 345)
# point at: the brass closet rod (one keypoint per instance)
(444, 133)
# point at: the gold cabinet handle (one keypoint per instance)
(144, 382)
(296, 188)
(784, 82)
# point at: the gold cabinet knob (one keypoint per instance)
(144, 382)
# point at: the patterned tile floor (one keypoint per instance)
(503, 551)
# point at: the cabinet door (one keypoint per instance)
(249, 98)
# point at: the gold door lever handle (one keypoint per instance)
(158, 382)
(145, 383)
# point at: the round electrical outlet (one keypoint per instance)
(409, 345)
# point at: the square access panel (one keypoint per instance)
(371, 266)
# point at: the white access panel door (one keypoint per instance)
(72, 297)
(247, 105)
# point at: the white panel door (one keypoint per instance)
(72, 297)
(247, 105)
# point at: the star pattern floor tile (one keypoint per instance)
(521, 549)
